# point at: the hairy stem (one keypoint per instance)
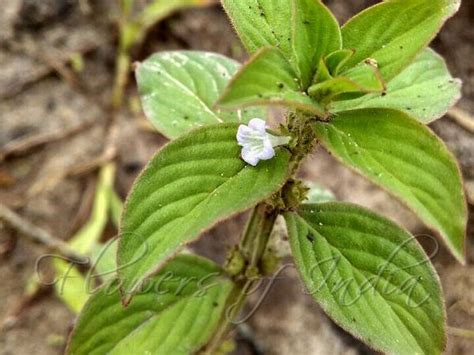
(252, 246)
(257, 234)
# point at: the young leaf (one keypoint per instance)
(304, 30)
(70, 285)
(336, 60)
(363, 78)
(424, 89)
(366, 75)
(268, 79)
(178, 90)
(190, 185)
(370, 276)
(177, 313)
(103, 259)
(395, 31)
(153, 12)
(402, 155)
(89, 235)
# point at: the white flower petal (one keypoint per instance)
(256, 143)
(244, 135)
(267, 153)
(250, 156)
(258, 125)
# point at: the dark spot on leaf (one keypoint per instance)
(408, 108)
(310, 237)
(215, 304)
(401, 47)
(306, 22)
(186, 117)
(281, 86)
(384, 93)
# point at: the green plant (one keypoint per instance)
(365, 92)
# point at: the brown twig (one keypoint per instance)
(51, 57)
(38, 234)
(56, 62)
(25, 302)
(462, 118)
(21, 146)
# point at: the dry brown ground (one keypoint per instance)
(35, 98)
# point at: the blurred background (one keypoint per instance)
(73, 138)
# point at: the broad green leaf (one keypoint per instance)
(395, 31)
(304, 30)
(176, 314)
(402, 155)
(268, 79)
(315, 33)
(191, 184)
(370, 276)
(424, 89)
(178, 90)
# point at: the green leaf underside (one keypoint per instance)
(395, 31)
(267, 79)
(190, 185)
(424, 89)
(400, 154)
(370, 276)
(304, 30)
(178, 90)
(178, 313)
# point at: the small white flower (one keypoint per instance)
(256, 143)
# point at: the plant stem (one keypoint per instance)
(252, 246)
(121, 78)
(256, 236)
